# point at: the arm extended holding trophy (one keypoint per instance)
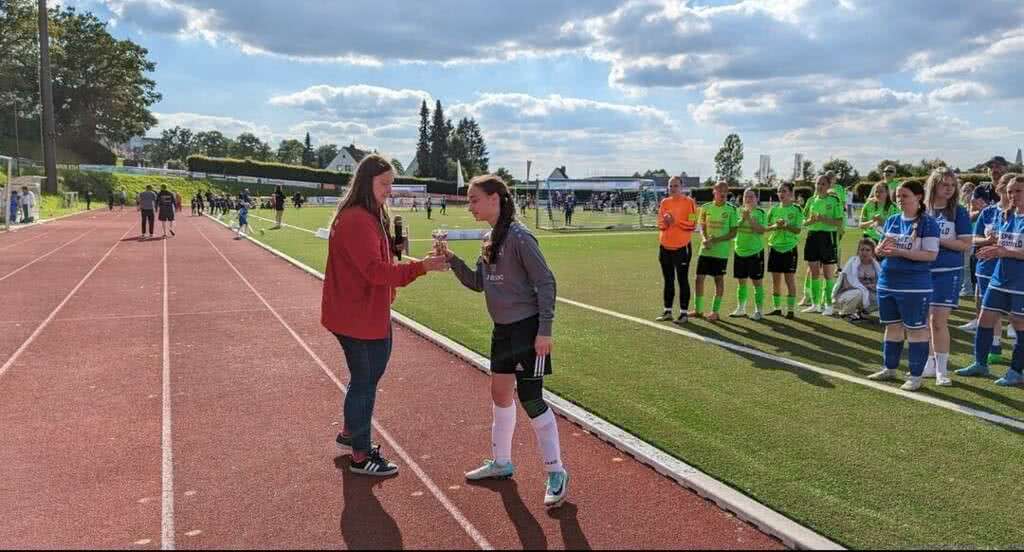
(472, 279)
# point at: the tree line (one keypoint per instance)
(441, 145)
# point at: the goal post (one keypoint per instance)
(597, 204)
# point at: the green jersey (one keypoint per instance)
(828, 206)
(749, 242)
(871, 210)
(718, 220)
(893, 186)
(784, 241)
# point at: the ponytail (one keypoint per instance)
(492, 184)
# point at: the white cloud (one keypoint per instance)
(356, 102)
(959, 92)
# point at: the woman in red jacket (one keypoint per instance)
(359, 286)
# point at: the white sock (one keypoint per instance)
(502, 428)
(941, 363)
(546, 429)
(995, 340)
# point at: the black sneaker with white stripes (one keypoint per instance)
(344, 442)
(375, 465)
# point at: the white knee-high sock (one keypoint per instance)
(546, 429)
(502, 428)
(941, 364)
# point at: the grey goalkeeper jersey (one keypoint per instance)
(519, 286)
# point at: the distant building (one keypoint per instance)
(559, 174)
(798, 167)
(133, 148)
(764, 170)
(1020, 159)
(412, 167)
(347, 159)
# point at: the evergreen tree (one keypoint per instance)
(423, 146)
(439, 131)
(308, 155)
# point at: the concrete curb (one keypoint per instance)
(20, 227)
(791, 533)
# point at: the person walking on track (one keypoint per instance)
(359, 287)
(146, 207)
(520, 292)
(165, 205)
(677, 217)
(279, 201)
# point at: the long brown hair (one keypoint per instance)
(939, 176)
(917, 189)
(360, 194)
(493, 184)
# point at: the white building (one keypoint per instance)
(347, 159)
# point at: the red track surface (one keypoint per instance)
(253, 417)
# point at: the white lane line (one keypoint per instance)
(14, 357)
(30, 238)
(167, 452)
(45, 255)
(468, 527)
(920, 397)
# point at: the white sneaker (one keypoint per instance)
(740, 311)
(971, 326)
(884, 375)
(912, 384)
(929, 368)
(1011, 333)
(820, 309)
(812, 308)
(828, 310)
(757, 315)
(943, 381)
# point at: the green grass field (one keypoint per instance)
(863, 467)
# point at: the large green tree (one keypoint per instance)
(846, 175)
(249, 146)
(290, 152)
(729, 160)
(101, 90)
(212, 143)
(326, 153)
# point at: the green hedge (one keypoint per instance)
(261, 169)
(101, 183)
(863, 189)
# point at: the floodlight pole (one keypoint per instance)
(46, 95)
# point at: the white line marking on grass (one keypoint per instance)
(285, 224)
(468, 527)
(987, 416)
(30, 238)
(14, 357)
(45, 255)
(166, 449)
(767, 520)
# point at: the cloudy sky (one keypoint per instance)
(600, 86)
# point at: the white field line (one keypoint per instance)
(166, 448)
(43, 256)
(14, 357)
(767, 520)
(468, 527)
(283, 224)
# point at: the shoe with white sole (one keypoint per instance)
(943, 381)
(757, 315)
(971, 326)
(974, 370)
(739, 312)
(1011, 379)
(884, 375)
(374, 465)
(665, 317)
(812, 308)
(929, 368)
(491, 470)
(827, 311)
(557, 489)
(912, 384)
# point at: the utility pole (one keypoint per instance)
(46, 95)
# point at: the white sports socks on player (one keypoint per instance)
(546, 429)
(502, 428)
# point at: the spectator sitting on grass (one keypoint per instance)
(856, 294)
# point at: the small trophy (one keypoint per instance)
(440, 236)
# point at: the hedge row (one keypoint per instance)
(863, 189)
(101, 183)
(260, 169)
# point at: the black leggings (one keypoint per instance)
(147, 216)
(675, 264)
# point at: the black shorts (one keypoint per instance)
(166, 213)
(783, 263)
(711, 266)
(748, 267)
(821, 248)
(512, 350)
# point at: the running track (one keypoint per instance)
(181, 393)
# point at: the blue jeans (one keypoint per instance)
(367, 359)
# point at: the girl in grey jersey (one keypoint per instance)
(520, 292)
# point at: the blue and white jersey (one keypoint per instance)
(986, 222)
(904, 275)
(959, 227)
(1008, 275)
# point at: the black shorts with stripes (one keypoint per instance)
(513, 352)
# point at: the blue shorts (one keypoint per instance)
(983, 284)
(1001, 301)
(946, 288)
(901, 306)
(243, 218)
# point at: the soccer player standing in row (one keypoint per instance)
(520, 292)
(719, 220)
(1004, 289)
(876, 211)
(748, 261)
(784, 222)
(986, 233)
(955, 237)
(824, 216)
(676, 217)
(910, 246)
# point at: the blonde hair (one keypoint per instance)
(939, 176)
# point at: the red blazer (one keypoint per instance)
(361, 277)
